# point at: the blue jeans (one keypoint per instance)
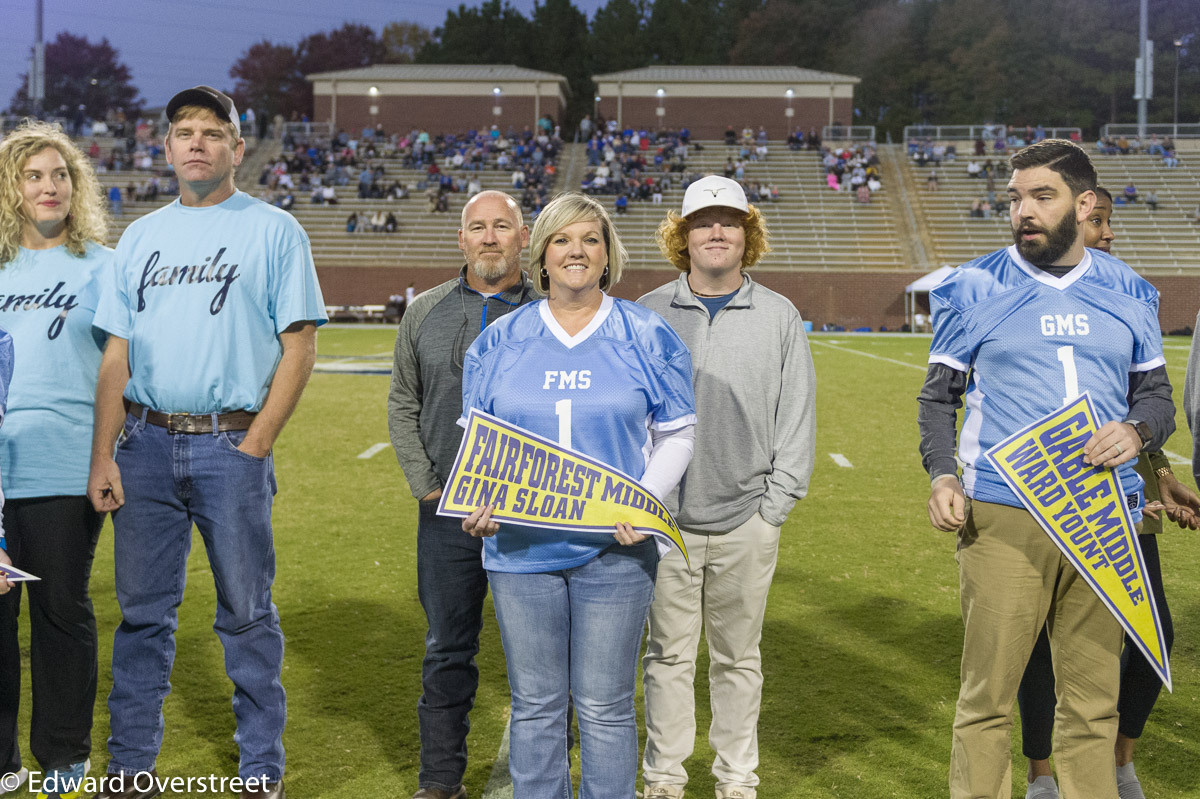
(452, 585)
(575, 633)
(170, 482)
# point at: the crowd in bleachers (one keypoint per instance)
(1163, 149)
(377, 221)
(927, 151)
(852, 169)
(643, 166)
(637, 164)
(797, 140)
(990, 171)
(996, 140)
(385, 166)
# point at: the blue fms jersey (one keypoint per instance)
(599, 392)
(1032, 341)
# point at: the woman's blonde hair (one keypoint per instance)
(672, 238)
(562, 211)
(86, 218)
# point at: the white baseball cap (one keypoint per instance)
(714, 190)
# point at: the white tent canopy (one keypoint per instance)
(922, 285)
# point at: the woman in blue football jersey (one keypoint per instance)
(610, 379)
(52, 229)
(1140, 685)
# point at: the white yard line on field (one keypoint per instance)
(372, 451)
(841, 460)
(868, 355)
(499, 784)
(1175, 457)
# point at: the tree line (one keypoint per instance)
(1053, 62)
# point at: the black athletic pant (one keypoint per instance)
(53, 538)
(1139, 684)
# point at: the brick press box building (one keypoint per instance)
(437, 97)
(707, 100)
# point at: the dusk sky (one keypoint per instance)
(173, 44)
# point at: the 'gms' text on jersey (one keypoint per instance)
(1072, 324)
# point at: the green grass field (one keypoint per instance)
(862, 638)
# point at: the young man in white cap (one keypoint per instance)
(755, 439)
(211, 315)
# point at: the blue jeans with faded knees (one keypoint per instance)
(171, 481)
(575, 633)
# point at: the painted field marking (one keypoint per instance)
(352, 368)
(841, 460)
(868, 355)
(372, 451)
(499, 785)
(1175, 457)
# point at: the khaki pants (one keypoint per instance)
(725, 590)
(1012, 580)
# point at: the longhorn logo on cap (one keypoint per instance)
(715, 191)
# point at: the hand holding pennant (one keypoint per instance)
(15, 575)
(1082, 508)
(530, 480)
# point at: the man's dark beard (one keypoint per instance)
(1059, 239)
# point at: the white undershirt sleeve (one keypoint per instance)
(670, 454)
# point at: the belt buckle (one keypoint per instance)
(179, 423)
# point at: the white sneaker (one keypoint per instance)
(662, 790)
(13, 780)
(735, 792)
(1042, 788)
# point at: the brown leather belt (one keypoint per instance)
(194, 422)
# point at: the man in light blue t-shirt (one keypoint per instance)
(212, 317)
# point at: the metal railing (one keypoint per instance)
(9, 122)
(848, 133)
(986, 132)
(1184, 130)
(306, 129)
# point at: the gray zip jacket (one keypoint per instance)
(425, 399)
(1191, 398)
(755, 406)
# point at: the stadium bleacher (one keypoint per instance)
(1153, 241)
(905, 230)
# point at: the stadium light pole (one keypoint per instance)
(37, 71)
(1175, 118)
(1143, 58)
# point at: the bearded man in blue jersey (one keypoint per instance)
(1019, 332)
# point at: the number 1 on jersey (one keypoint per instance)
(1066, 355)
(562, 409)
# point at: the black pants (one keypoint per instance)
(1140, 685)
(53, 538)
(452, 586)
